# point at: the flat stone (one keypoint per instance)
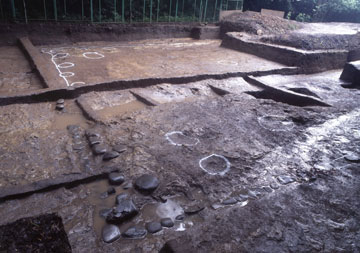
(124, 210)
(60, 101)
(99, 149)
(135, 233)
(78, 147)
(167, 222)
(121, 197)
(146, 182)
(353, 158)
(193, 209)
(128, 185)
(230, 201)
(153, 227)
(285, 179)
(110, 233)
(110, 155)
(274, 186)
(92, 133)
(180, 217)
(60, 107)
(120, 148)
(242, 197)
(116, 178)
(94, 140)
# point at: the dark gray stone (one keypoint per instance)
(193, 209)
(99, 149)
(180, 217)
(229, 201)
(124, 210)
(120, 148)
(146, 182)
(285, 179)
(110, 233)
(135, 233)
(153, 227)
(94, 140)
(110, 155)
(92, 133)
(60, 107)
(351, 73)
(167, 222)
(121, 197)
(111, 190)
(116, 178)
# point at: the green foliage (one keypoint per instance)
(338, 10)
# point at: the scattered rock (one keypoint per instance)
(274, 186)
(267, 189)
(78, 147)
(74, 129)
(284, 179)
(124, 210)
(110, 233)
(230, 201)
(167, 222)
(153, 227)
(60, 101)
(135, 233)
(120, 148)
(353, 158)
(99, 149)
(180, 217)
(242, 197)
(60, 107)
(110, 155)
(128, 185)
(193, 209)
(91, 133)
(94, 140)
(111, 190)
(121, 197)
(116, 178)
(147, 182)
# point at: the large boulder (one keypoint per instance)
(351, 73)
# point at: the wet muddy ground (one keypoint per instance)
(264, 163)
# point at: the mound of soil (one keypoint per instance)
(37, 234)
(315, 41)
(252, 22)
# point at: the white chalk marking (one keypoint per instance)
(93, 55)
(61, 55)
(168, 137)
(74, 83)
(181, 227)
(286, 125)
(66, 65)
(66, 74)
(221, 173)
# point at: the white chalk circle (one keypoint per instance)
(66, 65)
(60, 55)
(215, 165)
(66, 74)
(276, 123)
(93, 55)
(77, 83)
(178, 138)
(109, 49)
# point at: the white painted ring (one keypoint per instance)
(66, 65)
(93, 55)
(66, 74)
(286, 125)
(61, 55)
(168, 137)
(221, 173)
(74, 83)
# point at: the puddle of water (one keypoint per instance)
(112, 111)
(62, 120)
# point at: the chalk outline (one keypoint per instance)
(67, 65)
(259, 119)
(167, 136)
(100, 56)
(221, 173)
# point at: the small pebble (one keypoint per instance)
(99, 149)
(111, 190)
(167, 222)
(146, 182)
(153, 227)
(121, 197)
(116, 178)
(92, 133)
(110, 233)
(274, 186)
(128, 185)
(229, 201)
(60, 107)
(284, 179)
(242, 197)
(135, 233)
(180, 217)
(110, 155)
(60, 101)
(94, 140)
(119, 148)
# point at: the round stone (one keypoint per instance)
(153, 227)
(146, 182)
(94, 140)
(110, 233)
(121, 197)
(116, 178)
(99, 149)
(60, 101)
(167, 222)
(229, 201)
(60, 107)
(135, 233)
(110, 155)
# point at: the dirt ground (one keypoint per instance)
(265, 160)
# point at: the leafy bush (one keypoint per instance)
(338, 11)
